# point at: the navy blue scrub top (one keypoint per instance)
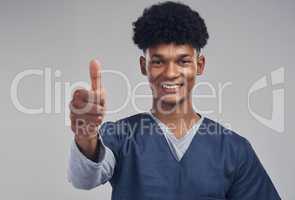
(219, 164)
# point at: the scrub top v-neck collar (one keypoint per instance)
(178, 147)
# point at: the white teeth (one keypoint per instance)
(170, 86)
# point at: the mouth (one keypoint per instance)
(171, 87)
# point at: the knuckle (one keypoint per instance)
(77, 103)
(79, 93)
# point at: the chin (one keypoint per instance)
(172, 100)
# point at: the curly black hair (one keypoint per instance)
(169, 22)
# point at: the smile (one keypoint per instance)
(171, 85)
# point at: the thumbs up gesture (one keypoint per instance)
(87, 111)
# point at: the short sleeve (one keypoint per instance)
(251, 180)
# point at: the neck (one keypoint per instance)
(179, 118)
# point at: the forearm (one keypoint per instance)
(90, 148)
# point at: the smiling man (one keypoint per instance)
(170, 152)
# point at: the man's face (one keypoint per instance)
(171, 71)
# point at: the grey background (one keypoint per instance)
(249, 39)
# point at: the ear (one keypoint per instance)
(200, 65)
(142, 62)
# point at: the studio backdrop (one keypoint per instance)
(45, 49)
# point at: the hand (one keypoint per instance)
(87, 111)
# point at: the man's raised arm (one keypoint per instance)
(91, 163)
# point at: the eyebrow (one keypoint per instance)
(178, 56)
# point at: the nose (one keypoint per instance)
(171, 71)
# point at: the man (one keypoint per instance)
(170, 152)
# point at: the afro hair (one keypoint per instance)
(170, 22)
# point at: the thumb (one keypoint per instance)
(95, 74)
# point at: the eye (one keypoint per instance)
(156, 62)
(185, 62)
